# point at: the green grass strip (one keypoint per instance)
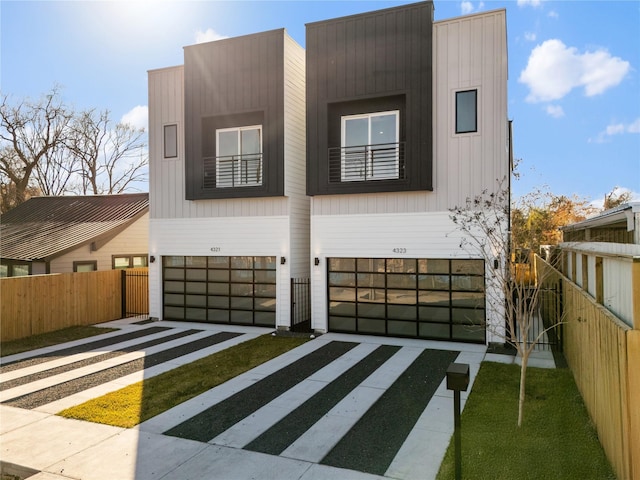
(42, 340)
(141, 401)
(556, 440)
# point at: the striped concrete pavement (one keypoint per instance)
(339, 406)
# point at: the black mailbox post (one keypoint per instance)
(458, 381)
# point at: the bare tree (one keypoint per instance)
(616, 197)
(112, 157)
(29, 132)
(484, 222)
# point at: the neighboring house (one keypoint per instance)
(74, 234)
(407, 118)
(229, 214)
(602, 255)
(256, 178)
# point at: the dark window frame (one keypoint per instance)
(458, 106)
(131, 261)
(252, 156)
(206, 268)
(12, 264)
(349, 279)
(170, 151)
(77, 263)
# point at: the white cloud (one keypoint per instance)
(553, 14)
(467, 7)
(530, 36)
(210, 35)
(554, 69)
(555, 111)
(533, 3)
(634, 127)
(616, 129)
(137, 117)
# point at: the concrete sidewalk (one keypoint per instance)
(62, 448)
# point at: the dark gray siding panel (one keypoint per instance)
(376, 55)
(235, 77)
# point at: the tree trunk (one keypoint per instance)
(523, 378)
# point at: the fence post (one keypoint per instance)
(123, 292)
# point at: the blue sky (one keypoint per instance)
(574, 68)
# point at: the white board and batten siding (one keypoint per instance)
(270, 226)
(295, 157)
(469, 52)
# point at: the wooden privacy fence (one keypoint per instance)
(43, 303)
(604, 356)
(135, 288)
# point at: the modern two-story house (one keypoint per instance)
(406, 119)
(229, 218)
(339, 164)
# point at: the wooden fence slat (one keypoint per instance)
(604, 356)
(43, 303)
(633, 398)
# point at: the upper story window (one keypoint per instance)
(467, 111)
(170, 141)
(238, 159)
(370, 146)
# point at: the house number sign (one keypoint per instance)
(399, 250)
(215, 249)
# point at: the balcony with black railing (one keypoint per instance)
(232, 171)
(364, 163)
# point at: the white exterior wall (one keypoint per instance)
(271, 226)
(468, 53)
(295, 142)
(134, 240)
(247, 236)
(418, 235)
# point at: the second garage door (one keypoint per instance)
(440, 299)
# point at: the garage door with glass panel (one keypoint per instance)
(237, 290)
(422, 298)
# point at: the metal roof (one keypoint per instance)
(43, 228)
(622, 213)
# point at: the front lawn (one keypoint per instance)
(556, 441)
(33, 342)
(140, 401)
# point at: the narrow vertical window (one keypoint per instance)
(170, 141)
(467, 111)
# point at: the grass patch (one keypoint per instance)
(42, 340)
(556, 440)
(143, 400)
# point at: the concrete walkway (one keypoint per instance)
(62, 448)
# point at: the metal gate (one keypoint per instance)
(300, 305)
(546, 323)
(135, 292)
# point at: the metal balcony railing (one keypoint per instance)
(364, 163)
(232, 171)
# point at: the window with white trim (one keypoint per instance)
(370, 146)
(239, 156)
